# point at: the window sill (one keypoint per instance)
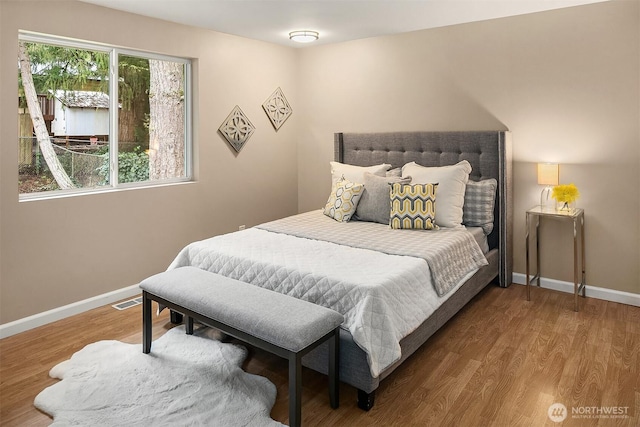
(58, 194)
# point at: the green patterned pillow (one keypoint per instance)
(413, 206)
(343, 200)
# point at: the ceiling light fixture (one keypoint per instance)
(303, 36)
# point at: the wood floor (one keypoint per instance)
(501, 361)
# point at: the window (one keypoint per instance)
(93, 117)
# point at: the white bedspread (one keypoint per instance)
(383, 297)
(450, 253)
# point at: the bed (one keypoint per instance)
(394, 290)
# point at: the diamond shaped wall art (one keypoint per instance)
(236, 128)
(277, 108)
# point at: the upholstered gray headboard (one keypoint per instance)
(489, 153)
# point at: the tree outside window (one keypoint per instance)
(73, 132)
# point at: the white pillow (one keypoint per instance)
(355, 173)
(452, 181)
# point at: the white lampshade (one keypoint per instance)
(548, 173)
(305, 36)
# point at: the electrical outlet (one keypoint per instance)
(242, 227)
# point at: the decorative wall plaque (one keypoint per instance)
(236, 128)
(277, 108)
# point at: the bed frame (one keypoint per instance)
(489, 153)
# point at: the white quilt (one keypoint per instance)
(383, 297)
(450, 253)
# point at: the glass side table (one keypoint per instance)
(577, 217)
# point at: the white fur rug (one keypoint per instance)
(184, 381)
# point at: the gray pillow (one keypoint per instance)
(374, 205)
(479, 200)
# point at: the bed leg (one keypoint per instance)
(366, 400)
(176, 318)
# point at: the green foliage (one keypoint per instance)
(133, 89)
(56, 67)
(134, 80)
(133, 166)
(65, 68)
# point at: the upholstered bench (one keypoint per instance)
(278, 323)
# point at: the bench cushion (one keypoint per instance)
(279, 319)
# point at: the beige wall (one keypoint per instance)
(56, 252)
(564, 82)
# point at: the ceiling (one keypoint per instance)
(336, 21)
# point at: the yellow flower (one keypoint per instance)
(565, 193)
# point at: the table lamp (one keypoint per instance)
(548, 175)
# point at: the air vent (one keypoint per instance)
(127, 304)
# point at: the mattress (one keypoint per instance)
(384, 297)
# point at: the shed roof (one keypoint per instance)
(83, 99)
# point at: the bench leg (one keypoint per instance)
(295, 390)
(175, 317)
(334, 369)
(146, 323)
(189, 325)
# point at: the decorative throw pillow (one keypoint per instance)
(479, 201)
(355, 173)
(395, 172)
(452, 181)
(374, 203)
(343, 200)
(413, 206)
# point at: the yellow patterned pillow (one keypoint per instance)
(343, 200)
(413, 206)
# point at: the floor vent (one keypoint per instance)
(127, 304)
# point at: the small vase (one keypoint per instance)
(567, 207)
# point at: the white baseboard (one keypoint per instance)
(591, 291)
(40, 319)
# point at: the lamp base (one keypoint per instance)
(546, 203)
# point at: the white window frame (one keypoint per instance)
(114, 53)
